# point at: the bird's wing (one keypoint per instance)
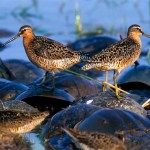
(50, 49)
(116, 50)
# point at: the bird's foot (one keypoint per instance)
(104, 86)
(119, 97)
(117, 92)
(112, 88)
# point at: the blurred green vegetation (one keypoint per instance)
(79, 29)
(22, 12)
(78, 19)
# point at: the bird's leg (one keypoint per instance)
(53, 80)
(44, 78)
(115, 83)
(104, 84)
(48, 89)
(89, 78)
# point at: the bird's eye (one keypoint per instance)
(139, 29)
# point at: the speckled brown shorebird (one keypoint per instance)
(16, 122)
(46, 53)
(118, 56)
(94, 140)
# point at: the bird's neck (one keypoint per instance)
(28, 39)
(135, 37)
(28, 47)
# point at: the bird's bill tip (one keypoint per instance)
(12, 39)
(146, 35)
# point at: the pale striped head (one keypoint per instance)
(136, 30)
(25, 31)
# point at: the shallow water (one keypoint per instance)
(34, 140)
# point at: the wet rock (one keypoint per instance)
(111, 121)
(137, 88)
(70, 116)
(10, 90)
(77, 86)
(18, 106)
(125, 125)
(5, 72)
(24, 71)
(109, 100)
(141, 73)
(44, 99)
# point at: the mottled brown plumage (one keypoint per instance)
(12, 121)
(46, 53)
(119, 55)
(94, 140)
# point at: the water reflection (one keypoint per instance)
(34, 140)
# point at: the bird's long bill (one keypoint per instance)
(12, 39)
(144, 34)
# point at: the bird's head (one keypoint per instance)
(24, 31)
(136, 30)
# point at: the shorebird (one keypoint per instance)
(94, 140)
(16, 122)
(118, 55)
(46, 53)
